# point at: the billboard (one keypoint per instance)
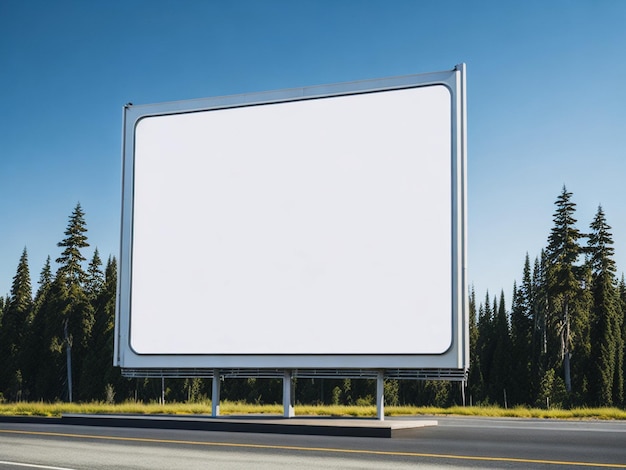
(320, 227)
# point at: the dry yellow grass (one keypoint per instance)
(238, 408)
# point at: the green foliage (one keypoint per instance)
(75, 239)
(16, 320)
(194, 390)
(606, 349)
(438, 392)
(561, 345)
(500, 367)
(552, 392)
(391, 393)
(482, 358)
(566, 330)
(566, 307)
(475, 379)
(99, 354)
(522, 325)
(109, 394)
(367, 400)
(94, 282)
(619, 381)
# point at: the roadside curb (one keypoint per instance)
(353, 427)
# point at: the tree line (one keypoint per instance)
(563, 340)
(562, 343)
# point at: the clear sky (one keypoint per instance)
(546, 102)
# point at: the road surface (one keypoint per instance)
(455, 443)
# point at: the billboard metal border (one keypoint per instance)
(455, 359)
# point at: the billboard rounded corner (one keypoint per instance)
(139, 123)
(132, 347)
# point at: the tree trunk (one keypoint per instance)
(68, 356)
(566, 351)
(566, 372)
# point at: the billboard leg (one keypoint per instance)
(162, 391)
(288, 410)
(215, 393)
(380, 395)
(463, 391)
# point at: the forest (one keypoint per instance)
(561, 343)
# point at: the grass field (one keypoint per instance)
(237, 408)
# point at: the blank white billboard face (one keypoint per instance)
(312, 227)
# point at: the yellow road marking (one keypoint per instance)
(318, 449)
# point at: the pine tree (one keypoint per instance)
(37, 357)
(620, 389)
(95, 277)
(71, 258)
(475, 380)
(50, 380)
(564, 292)
(45, 281)
(75, 313)
(606, 351)
(500, 366)
(521, 336)
(539, 341)
(15, 324)
(522, 319)
(485, 346)
(98, 370)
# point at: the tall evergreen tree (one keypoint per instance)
(50, 382)
(606, 351)
(14, 329)
(621, 386)
(75, 312)
(564, 281)
(500, 367)
(485, 346)
(539, 342)
(45, 281)
(475, 380)
(75, 239)
(521, 336)
(99, 375)
(94, 282)
(37, 359)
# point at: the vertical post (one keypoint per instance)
(463, 392)
(288, 410)
(215, 393)
(380, 395)
(162, 390)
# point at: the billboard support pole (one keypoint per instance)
(215, 394)
(463, 391)
(380, 395)
(288, 410)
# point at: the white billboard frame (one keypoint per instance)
(139, 349)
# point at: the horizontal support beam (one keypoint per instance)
(455, 375)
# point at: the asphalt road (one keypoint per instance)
(455, 443)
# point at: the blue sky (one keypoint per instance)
(546, 101)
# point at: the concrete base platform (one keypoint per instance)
(324, 426)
